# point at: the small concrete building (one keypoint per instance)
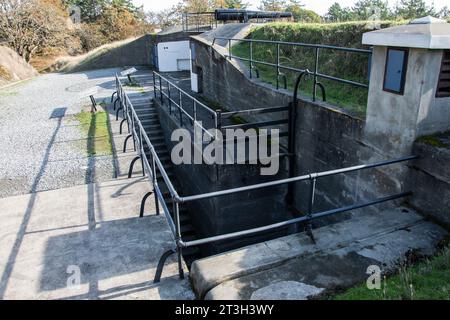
(409, 93)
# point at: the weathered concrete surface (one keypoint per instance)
(430, 175)
(138, 52)
(327, 137)
(46, 236)
(417, 112)
(339, 258)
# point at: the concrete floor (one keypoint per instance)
(89, 232)
(46, 237)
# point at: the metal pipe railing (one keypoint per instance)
(141, 138)
(282, 224)
(279, 66)
(195, 102)
(294, 179)
(149, 169)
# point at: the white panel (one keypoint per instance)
(184, 65)
(194, 82)
(170, 53)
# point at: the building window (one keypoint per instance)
(395, 72)
(443, 88)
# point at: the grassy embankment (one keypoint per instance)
(428, 280)
(349, 66)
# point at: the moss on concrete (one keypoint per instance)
(96, 127)
(432, 141)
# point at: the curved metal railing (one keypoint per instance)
(149, 167)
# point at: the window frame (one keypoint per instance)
(442, 95)
(405, 70)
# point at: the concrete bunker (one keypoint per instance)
(326, 139)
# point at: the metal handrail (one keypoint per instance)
(195, 102)
(279, 66)
(294, 179)
(299, 44)
(141, 136)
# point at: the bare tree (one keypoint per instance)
(28, 26)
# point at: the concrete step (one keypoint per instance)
(149, 121)
(151, 126)
(298, 268)
(150, 113)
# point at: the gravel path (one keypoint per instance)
(42, 146)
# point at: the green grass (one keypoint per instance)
(345, 65)
(215, 105)
(96, 127)
(427, 280)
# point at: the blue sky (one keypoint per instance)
(320, 6)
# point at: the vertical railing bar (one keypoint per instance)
(178, 237)
(154, 85)
(312, 193)
(160, 90)
(155, 181)
(142, 152)
(251, 60)
(195, 111)
(278, 66)
(316, 69)
(168, 95)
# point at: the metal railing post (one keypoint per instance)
(316, 70)
(229, 49)
(195, 111)
(155, 182)
(312, 193)
(154, 85)
(141, 151)
(178, 238)
(168, 95)
(251, 59)
(278, 66)
(160, 89)
(180, 98)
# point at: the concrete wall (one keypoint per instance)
(138, 52)
(216, 216)
(430, 179)
(135, 53)
(395, 121)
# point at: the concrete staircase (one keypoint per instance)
(146, 111)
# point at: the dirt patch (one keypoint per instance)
(13, 67)
(4, 73)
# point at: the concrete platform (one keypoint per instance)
(48, 238)
(294, 268)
